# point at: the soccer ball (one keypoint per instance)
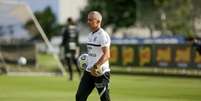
(83, 61)
(22, 61)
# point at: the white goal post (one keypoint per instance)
(24, 8)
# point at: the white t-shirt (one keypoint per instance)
(95, 42)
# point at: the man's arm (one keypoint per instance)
(97, 67)
(64, 38)
(104, 57)
(77, 44)
(77, 52)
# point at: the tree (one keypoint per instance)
(172, 15)
(116, 13)
(47, 21)
(178, 16)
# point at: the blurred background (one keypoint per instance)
(152, 40)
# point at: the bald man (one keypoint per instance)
(97, 73)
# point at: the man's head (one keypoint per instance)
(94, 20)
(70, 21)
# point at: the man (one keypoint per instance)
(196, 42)
(70, 43)
(97, 73)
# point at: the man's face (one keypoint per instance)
(92, 21)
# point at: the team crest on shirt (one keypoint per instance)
(95, 38)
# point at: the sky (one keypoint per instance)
(61, 8)
(37, 5)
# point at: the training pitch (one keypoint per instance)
(122, 88)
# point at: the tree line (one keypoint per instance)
(175, 16)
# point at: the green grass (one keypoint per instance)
(123, 88)
(47, 62)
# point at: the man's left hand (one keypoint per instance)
(96, 71)
(93, 72)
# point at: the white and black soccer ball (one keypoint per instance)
(22, 61)
(83, 61)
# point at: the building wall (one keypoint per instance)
(70, 8)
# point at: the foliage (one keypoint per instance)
(116, 13)
(47, 21)
(178, 16)
(125, 13)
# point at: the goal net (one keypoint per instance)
(19, 50)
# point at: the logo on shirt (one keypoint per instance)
(92, 55)
(95, 38)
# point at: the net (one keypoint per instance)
(17, 45)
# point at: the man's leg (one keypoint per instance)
(76, 65)
(68, 63)
(85, 87)
(101, 84)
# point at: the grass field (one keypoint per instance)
(123, 88)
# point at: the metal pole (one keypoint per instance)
(46, 39)
(56, 57)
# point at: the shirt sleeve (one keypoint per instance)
(104, 40)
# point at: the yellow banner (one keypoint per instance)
(114, 54)
(183, 55)
(163, 54)
(197, 58)
(127, 54)
(145, 55)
